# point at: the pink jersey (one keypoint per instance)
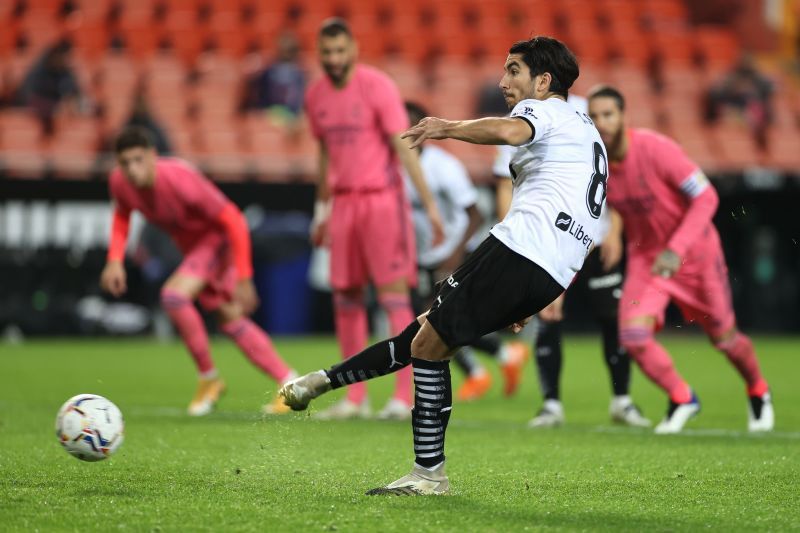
(653, 189)
(355, 123)
(182, 201)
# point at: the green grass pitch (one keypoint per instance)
(237, 471)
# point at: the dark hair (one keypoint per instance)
(545, 54)
(607, 91)
(133, 137)
(334, 26)
(415, 112)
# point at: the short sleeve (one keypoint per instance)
(675, 167)
(388, 105)
(532, 112)
(502, 160)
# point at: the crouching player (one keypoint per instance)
(216, 270)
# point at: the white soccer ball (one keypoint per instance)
(89, 427)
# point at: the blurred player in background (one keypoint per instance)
(528, 260)
(602, 276)
(673, 254)
(361, 210)
(456, 197)
(216, 270)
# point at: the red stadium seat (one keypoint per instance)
(20, 130)
(718, 48)
(736, 147)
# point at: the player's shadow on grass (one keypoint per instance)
(540, 515)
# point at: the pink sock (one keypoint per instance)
(741, 354)
(352, 331)
(190, 326)
(398, 309)
(257, 346)
(655, 362)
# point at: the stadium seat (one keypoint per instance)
(20, 130)
(21, 144)
(695, 141)
(736, 146)
(718, 48)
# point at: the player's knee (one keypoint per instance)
(724, 340)
(172, 297)
(634, 339)
(348, 299)
(428, 345)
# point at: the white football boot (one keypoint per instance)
(760, 414)
(344, 409)
(395, 410)
(299, 392)
(420, 482)
(551, 415)
(677, 416)
(624, 411)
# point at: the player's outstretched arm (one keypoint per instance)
(491, 130)
(113, 278)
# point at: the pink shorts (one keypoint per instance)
(700, 289)
(211, 261)
(371, 239)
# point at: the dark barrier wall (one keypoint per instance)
(757, 220)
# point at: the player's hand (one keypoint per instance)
(436, 225)
(610, 251)
(113, 280)
(666, 264)
(555, 311)
(427, 128)
(246, 296)
(319, 232)
(518, 326)
(319, 224)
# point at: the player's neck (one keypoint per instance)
(620, 150)
(342, 83)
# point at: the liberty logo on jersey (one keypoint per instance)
(565, 223)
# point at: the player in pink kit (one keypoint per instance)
(361, 211)
(216, 270)
(674, 254)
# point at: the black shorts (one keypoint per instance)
(494, 288)
(603, 288)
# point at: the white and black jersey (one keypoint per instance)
(449, 183)
(560, 177)
(505, 153)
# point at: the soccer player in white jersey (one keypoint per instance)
(456, 197)
(601, 278)
(560, 176)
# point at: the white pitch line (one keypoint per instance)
(176, 412)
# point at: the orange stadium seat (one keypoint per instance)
(695, 142)
(674, 48)
(40, 31)
(73, 149)
(736, 146)
(20, 130)
(631, 48)
(21, 144)
(783, 152)
(718, 48)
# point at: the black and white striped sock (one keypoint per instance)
(379, 359)
(433, 399)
